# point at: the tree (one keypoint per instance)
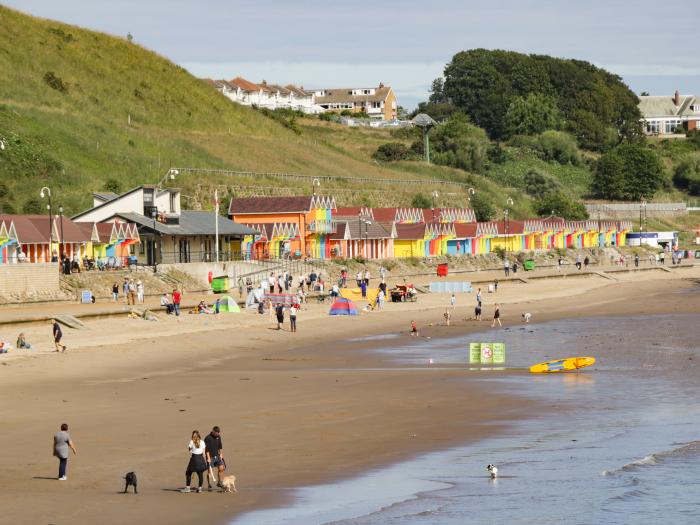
(531, 115)
(559, 204)
(628, 172)
(459, 144)
(538, 183)
(686, 176)
(422, 201)
(558, 146)
(32, 206)
(483, 209)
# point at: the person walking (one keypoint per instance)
(57, 336)
(636, 260)
(115, 292)
(293, 316)
(367, 276)
(279, 312)
(380, 299)
(140, 295)
(382, 272)
(214, 450)
(477, 311)
(586, 262)
(131, 299)
(478, 295)
(62, 443)
(363, 287)
(359, 278)
(506, 267)
(496, 316)
(177, 299)
(453, 301)
(197, 463)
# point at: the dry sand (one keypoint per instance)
(295, 409)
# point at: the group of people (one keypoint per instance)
(171, 303)
(293, 311)
(133, 291)
(205, 455)
(22, 344)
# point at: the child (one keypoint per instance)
(414, 329)
(527, 316)
(447, 317)
(22, 343)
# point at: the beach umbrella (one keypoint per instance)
(228, 304)
(343, 306)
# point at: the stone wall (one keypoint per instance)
(29, 280)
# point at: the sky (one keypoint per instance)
(652, 45)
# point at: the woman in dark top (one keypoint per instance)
(57, 335)
(496, 315)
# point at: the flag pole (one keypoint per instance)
(216, 221)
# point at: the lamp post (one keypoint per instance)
(434, 195)
(359, 231)
(154, 214)
(46, 192)
(367, 223)
(62, 249)
(642, 208)
(506, 213)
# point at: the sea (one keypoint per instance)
(617, 443)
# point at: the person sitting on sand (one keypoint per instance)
(165, 301)
(527, 316)
(5, 347)
(22, 343)
(414, 329)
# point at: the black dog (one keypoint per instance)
(130, 479)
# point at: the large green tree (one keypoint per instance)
(628, 172)
(460, 144)
(484, 83)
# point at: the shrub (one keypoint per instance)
(328, 117)
(113, 185)
(628, 172)
(559, 204)
(483, 209)
(686, 176)
(420, 200)
(694, 137)
(497, 154)
(392, 151)
(55, 82)
(558, 146)
(32, 206)
(538, 183)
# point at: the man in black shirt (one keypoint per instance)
(215, 453)
(57, 335)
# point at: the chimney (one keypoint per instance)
(381, 85)
(677, 98)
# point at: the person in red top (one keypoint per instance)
(177, 297)
(414, 328)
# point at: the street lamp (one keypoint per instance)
(62, 249)
(506, 212)
(46, 192)
(642, 207)
(434, 197)
(154, 214)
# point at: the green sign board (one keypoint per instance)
(487, 353)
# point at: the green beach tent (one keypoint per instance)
(227, 304)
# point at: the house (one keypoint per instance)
(264, 95)
(171, 234)
(666, 115)
(378, 102)
(358, 235)
(305, 221)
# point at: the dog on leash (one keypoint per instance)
(493, 470)
(130, 479)
(229, 484)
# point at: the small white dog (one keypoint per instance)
(229, 484)
(493, 470)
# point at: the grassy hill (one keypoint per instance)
(82, 111)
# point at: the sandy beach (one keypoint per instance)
(295, 409)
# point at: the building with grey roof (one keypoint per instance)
(664, 115)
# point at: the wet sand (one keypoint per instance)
(295, 409)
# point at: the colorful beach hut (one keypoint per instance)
(343, 306)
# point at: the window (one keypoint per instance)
(653, 126)
(365, 91)
(671, 125)
(376, 105)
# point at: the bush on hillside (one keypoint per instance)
(538, 183)
(420, 200)
(628, 172)
(561, 205)
(55, 82)
(497, 153)
(32, 206)
(686, 176)
(693, 137)
(392, 151)
(328, 116)
(558, 146)
(458, 143)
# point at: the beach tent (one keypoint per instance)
(343, 307)
(355, 294)
(254, 297)
(227, 304)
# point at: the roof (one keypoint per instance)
(514, 227)
(343, 95)
(298, 91)
(410, 232)
(104, 196)
(275, 87)
(27, 230)
(69, 231)
(357, 230)
(466, 230)
(269, 205)
(654, 106)
(245, 85)
(191, 223)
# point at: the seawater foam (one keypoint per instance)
(685, 450)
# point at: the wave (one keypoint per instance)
(685, 450)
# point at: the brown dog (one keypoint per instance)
(229, 484)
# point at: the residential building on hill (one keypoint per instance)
(666, 115)
(264, 95)
(378, 102)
